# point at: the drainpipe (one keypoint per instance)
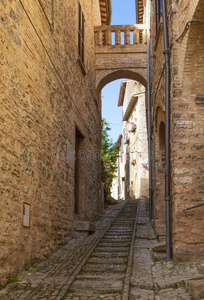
(149, 110)
(167, 134)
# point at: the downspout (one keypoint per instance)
(167, 133)
(149, 110)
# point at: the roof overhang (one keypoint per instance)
(122, 93)
(139, 11)
(118, 143)
(130, 107)
(106, 11)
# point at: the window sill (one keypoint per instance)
(82, 66)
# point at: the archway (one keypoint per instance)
(105, 77)
(159, 173)
(134, 149)
(194, 64)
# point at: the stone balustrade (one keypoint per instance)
(120, 35)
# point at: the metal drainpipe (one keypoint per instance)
(167, 134)
(149, 110)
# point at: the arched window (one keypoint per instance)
(162, 137)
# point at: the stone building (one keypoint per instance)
(132, 174)
(49, 125)
(50, 118)
(185, 22)
(134, 149)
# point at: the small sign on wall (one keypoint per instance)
(26, 214)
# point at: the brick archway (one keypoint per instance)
(104, 77)
(115, 60)
(194, 64)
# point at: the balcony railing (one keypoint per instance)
(120, 35)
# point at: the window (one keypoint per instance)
(81, 35)
(158, 13)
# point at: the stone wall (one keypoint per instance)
(187, 125)
(44, 95)
(136, 151)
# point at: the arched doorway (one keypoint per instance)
(159, 174)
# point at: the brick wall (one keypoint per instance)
(186, 126)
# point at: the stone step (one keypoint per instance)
(110, 254)
(114, 241)
(87, 286)
(117, 236)
(126, 228)
(112, 249)
(124, 221)
(109, 274)
(114, 244)
(101, 276)
(120, 232)
(104, 267)
(111, 296)
(107, 260)
(196, 288)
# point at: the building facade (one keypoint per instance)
(185, 22)
(50, 125)
(132, 174)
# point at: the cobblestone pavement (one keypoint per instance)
(152, 276)
(111, 264)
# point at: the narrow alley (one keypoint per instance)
(117, 262)
(85, 215)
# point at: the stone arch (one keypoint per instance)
(160, 130)
(105, 77)
(159, 180)
(193, 75)
(159, 116)
(162, 137)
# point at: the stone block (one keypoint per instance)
(196, 288)
(84, 226)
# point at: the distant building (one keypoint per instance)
(133, 158)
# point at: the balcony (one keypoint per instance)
(129, 38)
(120, 52)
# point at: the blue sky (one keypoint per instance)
(123, 13)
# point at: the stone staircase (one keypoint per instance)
(104, 274)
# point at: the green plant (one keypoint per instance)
(12, 279)
(147, 203)
(109, 159)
